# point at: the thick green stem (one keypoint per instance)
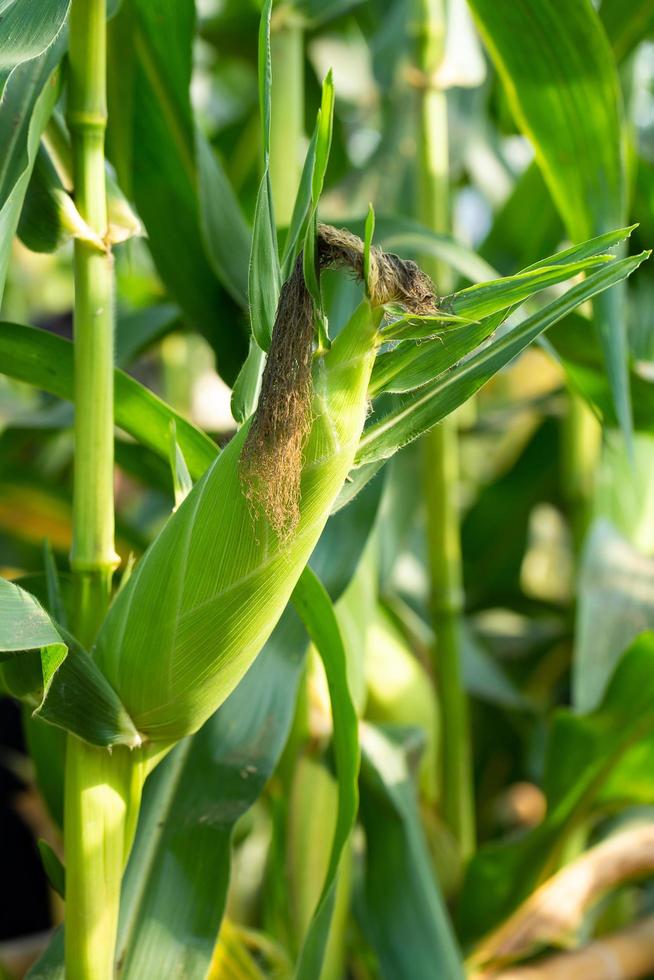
(93, 557)
(102, 799)
(102, 790)
(440, 450)
(287, 117)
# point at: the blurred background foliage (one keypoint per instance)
(557, 520)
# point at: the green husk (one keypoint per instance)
(207, 594)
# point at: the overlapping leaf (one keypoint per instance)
(562, 83)
(585, 754)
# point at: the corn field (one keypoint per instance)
(327, 489)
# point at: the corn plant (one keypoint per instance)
(170, 674)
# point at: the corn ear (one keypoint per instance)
(208, 593)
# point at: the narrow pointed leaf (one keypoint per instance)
(27, 29)
(61, 687)
(419, 412)
(315, 609)
(403, 913)
(27, 101)
(584, 756)
(562, 83)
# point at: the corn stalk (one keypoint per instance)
(440, 446)
(100, 787)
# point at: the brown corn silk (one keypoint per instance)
(271, 462)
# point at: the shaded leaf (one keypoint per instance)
(315, 609)
(584, 753)
(403, 913)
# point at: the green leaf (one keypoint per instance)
(182, 482)
(27, 102)
(325, 126)
(248, 384)
(225, 230)
(301, 210)
(367, 245)
(562, 83)
(615, 604)
(25, 626)
(53, 867)
(419, 412)
(408, 366)
(324, 129)
(137, 331)
(265, 79)
(403, 913)
(491, 297)
(627, 25)
(176, 183)
(314, 607)
(49, 217)
(580, 354)
(422, 327)
(45, 667)
(27, 29)
(264, 279)
(46, 361)
(584, 753)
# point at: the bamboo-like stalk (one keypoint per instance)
(440, 447)
(100, 788)
(287, 114)
(93, 557)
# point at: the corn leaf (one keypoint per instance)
(324, 128)
(423, 327)
(63, 688)
(53, 867)
(27, 30)
(626, 26)
(611, 611)
(264, 277)
(153, 143)
(301, 209)
(225, 230)
(264, 280)
(137, 331)
(580, 355)
(409, 366)
(402, 911)
(245, 394)
(419, 412)
(491, 297)
(563, 87)
(315, 609)
(584, 763)
(27, 102)
(46, 361)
